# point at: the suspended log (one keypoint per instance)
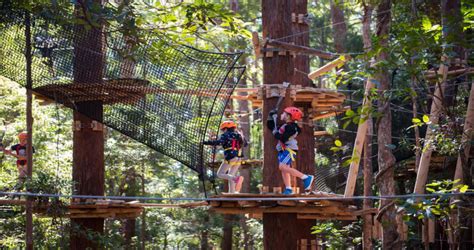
(359, 143)
(434, 75)
(256, 45)
(466, 137)
(339, 62)
(435, 112)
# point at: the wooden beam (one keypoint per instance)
(434, 75)
(300, 49)
(320, 133)
(436, 107)
(359, 143)
(339, 62)
(466, 137)
(256, 45)
(282, 209)
(325, 217)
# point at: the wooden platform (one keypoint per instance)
(323, 209)
(94, 208)
(323, 103)
(107, 92)
(251, 163)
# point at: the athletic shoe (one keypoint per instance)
(288, 191)
(307, 182)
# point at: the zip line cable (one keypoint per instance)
(308, 198)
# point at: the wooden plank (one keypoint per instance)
(434, 75)
(325, 217)
(303, 244)
(320, 133)
(466, 137)
(358, 144)
(436, 107)
(248, 203)
(365, 211)
(300, 49)
(431, 230)
(339, 62)
(282, 209)
(256, 45)
(288, 203)
(314, 245)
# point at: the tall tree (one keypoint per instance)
(368, 219)
(88, 144)
(276, 20)
(339, 27)
(386, 160)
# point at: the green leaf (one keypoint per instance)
(426, 118)
(350, 112)
(416, 121)
(335, 149)
(338, 143)
(463, 189)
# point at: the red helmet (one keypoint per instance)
(228, 124)
(295, 113)
(22, 135)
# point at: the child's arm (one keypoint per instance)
(9, 152)
(271, 121)
(290, 130)
(214, 142)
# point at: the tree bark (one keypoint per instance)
(205, 235)
(386, 160)
(228, 232)
(88, 145)
(29, 128)
(281, 231)
(368, 171)
(339, 27)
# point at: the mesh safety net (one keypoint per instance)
(169, 97)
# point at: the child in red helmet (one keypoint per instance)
(232, 142)
(20, 155)
(288, 146)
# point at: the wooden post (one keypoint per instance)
(368, 225)
(359, 143)
(368, 175)
(466, 137)
(88, 145)
(29, 128)
(143, 225)
(436, 107)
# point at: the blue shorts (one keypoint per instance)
(286, 157)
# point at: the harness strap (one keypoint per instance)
(292, 153)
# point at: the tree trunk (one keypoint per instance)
(368, 221)
(228, 232)
(29, 128)
(368, 171)
(339, 27)
(205, 235)
(244, 121)
(88, 145)
(276, 18)
(386, 160)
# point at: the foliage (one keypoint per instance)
(336, 236)
(441, 206)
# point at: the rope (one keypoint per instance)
(307, 198)
(358, 20)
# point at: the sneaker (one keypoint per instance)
(307, 182)
(288, 191)
(238, 183)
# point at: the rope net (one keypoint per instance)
(169, 97)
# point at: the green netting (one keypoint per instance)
(169, 97)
